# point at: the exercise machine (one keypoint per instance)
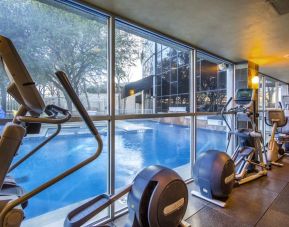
(215, 172)
(250, 155)
(29, 117)
(277, 120)
(285, 130)
(158, 197)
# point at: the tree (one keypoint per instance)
(50, 38)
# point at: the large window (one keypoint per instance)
(213, 78)
(144, 142)
(282, 91)
(50, 38)
(152, 101)
(214, 85)
(211, 134)
(56, 38)
(271, 92)
(152, 75)
(274, 91)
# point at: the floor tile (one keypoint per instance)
(194, 204)
(209, 217)
(266, 183)
(246, 205)
(263, 202)
(274, 218)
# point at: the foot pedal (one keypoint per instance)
(85, 212)
(277, 164)
(184, 224)
(246, 151)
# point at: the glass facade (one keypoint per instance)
(151, 117)
(154, 78)
(273, 92)
(213, 78)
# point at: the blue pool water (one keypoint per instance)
(164, 144)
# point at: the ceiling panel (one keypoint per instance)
(238, 30)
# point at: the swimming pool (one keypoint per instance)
(143, 143)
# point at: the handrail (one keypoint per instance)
(46, 120)
(32, 152)
(223, 111)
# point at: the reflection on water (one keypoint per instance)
(138, 144)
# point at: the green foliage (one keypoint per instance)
(56, 38)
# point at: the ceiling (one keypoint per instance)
(238, 30)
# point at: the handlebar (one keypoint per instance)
(78, 105)
(46, 120)
(280, 126)
(53, 111)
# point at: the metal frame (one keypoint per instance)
(263, 106)
(111, 107)
(193, 127)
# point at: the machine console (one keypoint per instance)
(21, 87)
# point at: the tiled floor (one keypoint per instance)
(262, 203)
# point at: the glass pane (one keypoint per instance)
(283, 91)
(260, 105)
(274, 93)
(52, 38)
(241, 78)
(271, 93)
(211, 134)
(213, 83)
(152, 75)
(73, 145)
(141, 143)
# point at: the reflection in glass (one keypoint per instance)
(211, 83)
(156, 71)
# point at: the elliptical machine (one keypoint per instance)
(215, 172)
(29, 117)
(158, 197)
(248, 155)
